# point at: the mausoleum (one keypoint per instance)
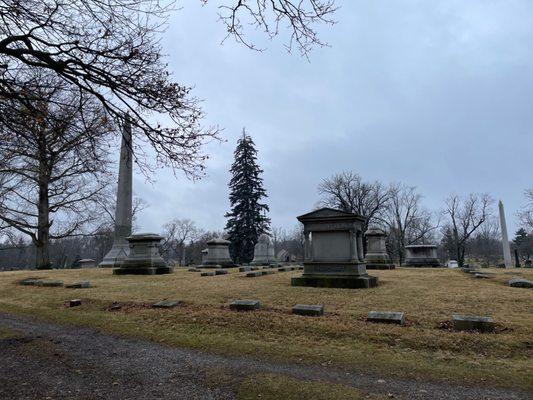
(421, 255)
(334, 250)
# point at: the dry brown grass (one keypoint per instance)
(342, 338)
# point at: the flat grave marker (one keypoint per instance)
(472, 323)
(308, 310)
(245, 305)
(386, 317)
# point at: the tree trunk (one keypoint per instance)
(43, 220)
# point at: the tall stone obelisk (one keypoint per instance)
(505, 239)
(123, 211)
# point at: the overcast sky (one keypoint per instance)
(433, 94)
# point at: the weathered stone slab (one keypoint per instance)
(520, 283)
(245, 269)
(254, 274)
(51, 283)
(79, 285)
(472, 323)
(284, 269)
(245, 305)
(74, 303)
(30, 282)
(208, 273)
(193, 270)
(483, 276)
(221, 272)
(386, 317)
(307, 309)
(268, 271)
(167, 304)
(255, 268)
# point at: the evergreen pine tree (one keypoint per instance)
(247, 218)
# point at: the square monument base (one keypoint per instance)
(332, 281)
(143, 270)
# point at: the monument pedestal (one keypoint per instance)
(144, 257)
(376, 256)
(217, 255)
(335, 275)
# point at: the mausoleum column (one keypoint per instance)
(307, 246)
(360, 245)
(353, 245)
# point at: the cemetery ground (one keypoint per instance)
(423, 355)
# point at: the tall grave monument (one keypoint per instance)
(123, 211)
(334, 251)
(505, 239)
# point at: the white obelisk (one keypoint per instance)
(123, 211)
(505, 239)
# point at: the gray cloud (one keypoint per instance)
(432, 94)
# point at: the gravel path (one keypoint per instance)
(52, 361)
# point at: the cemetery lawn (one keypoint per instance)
(423, 349)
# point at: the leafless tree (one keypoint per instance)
(526, 213)
(109, 51)
(465, 216)
(54, 164)
(348, 192)
(176, 233)
(406, 220)
(108, 203)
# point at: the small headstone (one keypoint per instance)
(79, 285)
(75, 303)
(193, 270)
(245, 269)
(221, 272)
(306, 309)
(166, 304)
(520, 283)
(472, 323)
(387, 317)
(254, 274)
(208, 273)
(50, 283)
(268, 272)
(255, 268)
(245, 305)
(284, 269)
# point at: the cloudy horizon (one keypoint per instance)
(435, 96)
